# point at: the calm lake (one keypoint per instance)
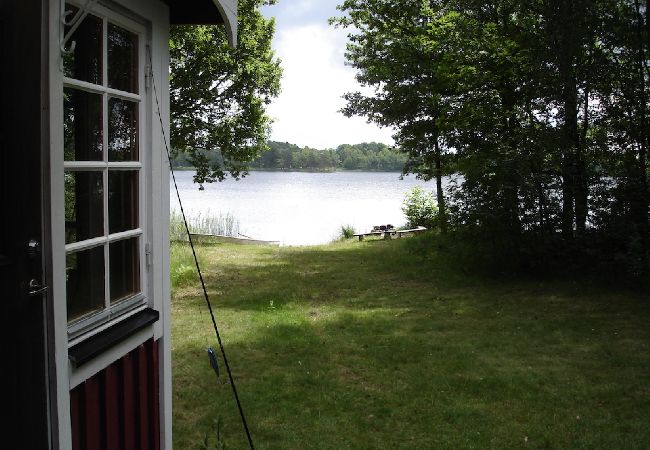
(299, 208)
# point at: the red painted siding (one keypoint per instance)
(118, 408)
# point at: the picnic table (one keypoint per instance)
(388, 233)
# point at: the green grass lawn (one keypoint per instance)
(380, 345)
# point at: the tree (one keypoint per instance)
(404, 51)
(539, 106)
(219, 94)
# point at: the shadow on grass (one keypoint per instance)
(372, 346)
(368, 381)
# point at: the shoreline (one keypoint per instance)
(188, 169)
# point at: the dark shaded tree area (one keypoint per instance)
(537, 108)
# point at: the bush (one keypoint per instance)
(347, 231)
(420, 208)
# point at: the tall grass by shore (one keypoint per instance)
(202, 223)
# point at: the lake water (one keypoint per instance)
(299, 208)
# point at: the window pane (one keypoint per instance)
(84, 206)
(122, 130)
(124, 269)
(82, 125)
(122, 200)
(122, 59)
(85, 62)
(85, 282)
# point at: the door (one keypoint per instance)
(23, 296)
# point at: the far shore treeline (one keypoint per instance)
(367, 156)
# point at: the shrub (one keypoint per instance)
(420, 208)
(347, 231)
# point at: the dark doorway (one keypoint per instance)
(23, 140)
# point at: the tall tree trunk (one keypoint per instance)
(541, 208)
(510, 179)
(581, 178)
(574, 182)
(567, 195)
(641, 205)
(581, 193)
(442, 208)
(574, 146)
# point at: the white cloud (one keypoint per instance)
(315, 78)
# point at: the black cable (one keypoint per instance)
(198, 268)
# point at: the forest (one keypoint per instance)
(538, 109)
(369, 156)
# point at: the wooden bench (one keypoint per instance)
(400, 233)
(387, 234)
(370, 233)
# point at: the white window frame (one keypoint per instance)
(154, 16)
(87, 326)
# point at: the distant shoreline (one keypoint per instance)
(186, 169)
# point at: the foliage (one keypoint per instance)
(420, 208)
(414, 350)
(371, 156)
(396, 48)
(367, 156)
(347, 231)
(220, 443)
(219, 93)
(538, 109)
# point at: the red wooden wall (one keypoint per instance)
(119, 407)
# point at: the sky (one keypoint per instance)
(306, 113)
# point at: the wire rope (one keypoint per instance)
(198, 268)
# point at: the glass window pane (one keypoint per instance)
(84, 274)
(85, 61)
(84, 206)
(122, 130)
(122, 59)
(122, 200)
(124, 269)
(82, 125)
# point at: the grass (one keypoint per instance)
(381, 345)
(182, 268)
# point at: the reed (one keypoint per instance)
(202, 223)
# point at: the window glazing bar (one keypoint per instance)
(98, 89)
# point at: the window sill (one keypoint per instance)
(85, 351)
